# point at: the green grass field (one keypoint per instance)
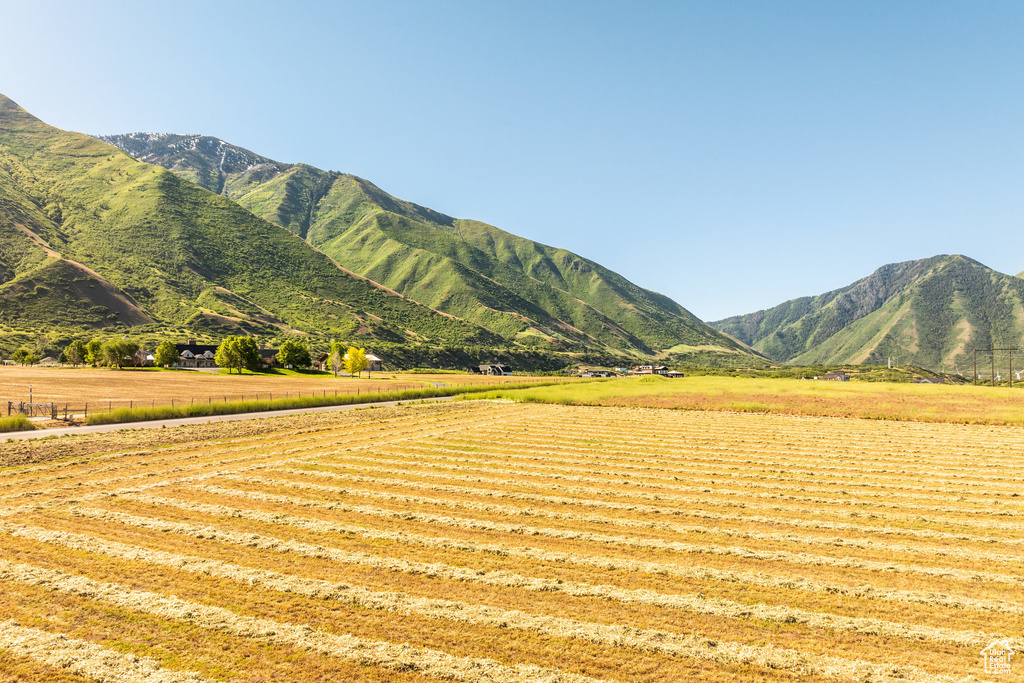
(962, 404)
(170, 412)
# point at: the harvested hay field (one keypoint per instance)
(490, 541)
(103, 387)
(964, 404)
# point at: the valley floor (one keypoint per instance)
(496, 541)
(963, 404)
(105, 388)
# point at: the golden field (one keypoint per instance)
(104, 387)
(964, 404)
(492, 541)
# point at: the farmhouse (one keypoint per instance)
(494, 369)
(268, 358)
(321, 362)
(649, 370)
(837, 376)
(192, 355)
(598, 373)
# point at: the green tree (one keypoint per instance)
(76, 352)
(94, 352)
(294, 354)
(336, 359)
(228, 356)
(21, 355)
(119, 352)
(248, 353)
(166, 354)
(355, 361)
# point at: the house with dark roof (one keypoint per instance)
(192, 355)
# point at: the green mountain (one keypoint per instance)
(519, 289)
(931, 313)
(91, 238)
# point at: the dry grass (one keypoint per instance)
(102, 387)
(497, 542)
(963, 404)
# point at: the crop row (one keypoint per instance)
(642, 479)
(584, 559)
(366, 651)
(643, 508)
(577, 519)
(650, 640)
(86, 658)
(674, 461)
(501, 490)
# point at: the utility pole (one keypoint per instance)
(993, 367)
(975, 367)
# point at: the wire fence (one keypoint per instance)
(69, 411)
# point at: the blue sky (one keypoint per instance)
(731, 155)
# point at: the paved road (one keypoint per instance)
(96, 429)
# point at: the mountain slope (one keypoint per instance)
(90, 236)
(931, 313)
(523, 290)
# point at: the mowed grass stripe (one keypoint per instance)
(624, 489)
(569, 473)
(770, 458)
(86, 658)
(320, 526)
(505, 579)
(710, 429)
(216, 466)
(350, 428)
(362, 650)
(673, 463)
(636, 510)
(716, 435)
(583, 521)
(693, 646)
(956, 552)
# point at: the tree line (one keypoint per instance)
(234, 353)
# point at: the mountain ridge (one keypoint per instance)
(928, 312)
(525, 291)
(184, 256)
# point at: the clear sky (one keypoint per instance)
(729, 154)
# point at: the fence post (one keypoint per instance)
(53, 411)
(86, 409)
(8, 407)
